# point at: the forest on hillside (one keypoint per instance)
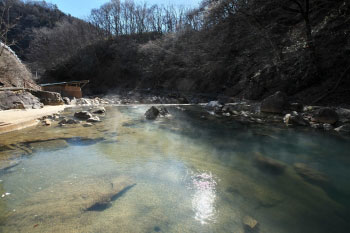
(236, 48)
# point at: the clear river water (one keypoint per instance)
(191, 172)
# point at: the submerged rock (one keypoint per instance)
(8, 164)
(250, 225)
(269, 165)
(325, 115)
(66, 121)
(48, 145)
(83, 115)
(311, 175)
(87, 125)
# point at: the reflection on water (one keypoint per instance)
(184, 174)
(203, 202)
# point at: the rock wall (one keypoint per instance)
(18, 100)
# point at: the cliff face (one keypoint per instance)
(13, 73)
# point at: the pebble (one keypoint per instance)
(5, 194)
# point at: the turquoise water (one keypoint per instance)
(186, 173)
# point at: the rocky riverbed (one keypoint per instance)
(185, 169)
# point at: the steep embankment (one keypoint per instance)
(13, 73)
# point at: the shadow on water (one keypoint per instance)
(107, 203)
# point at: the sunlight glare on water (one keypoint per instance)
(203, 200)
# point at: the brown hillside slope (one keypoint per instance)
(13, 73)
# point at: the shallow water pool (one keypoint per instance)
(192, 172)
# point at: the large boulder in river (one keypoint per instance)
(83, 115)
(275, 103)
(325, 115)
(18, 100)
(48, 98)
(154, 112)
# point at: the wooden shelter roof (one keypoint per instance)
(81, 83)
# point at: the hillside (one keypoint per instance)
(251, 52)
(27, 16)
(13, 73)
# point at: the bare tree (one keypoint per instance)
(302, 7)
(125, 18)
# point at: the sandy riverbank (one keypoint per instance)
(11, 120)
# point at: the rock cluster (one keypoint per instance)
(67, 121)
(83, 115)
(28, 99)
(18, 100)
(48, 98)
(87, 116)
(276, 109)
(316, 117)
